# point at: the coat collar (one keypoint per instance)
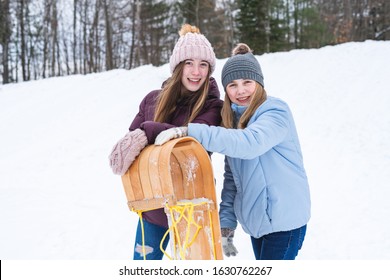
(238, 110)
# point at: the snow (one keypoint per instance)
(59, 199)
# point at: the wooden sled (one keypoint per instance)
(178, 177)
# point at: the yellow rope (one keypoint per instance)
(212, 235)
(181, 208)
(139, 213)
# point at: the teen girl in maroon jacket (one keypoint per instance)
(189, 95)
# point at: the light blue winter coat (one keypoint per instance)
(265, 184)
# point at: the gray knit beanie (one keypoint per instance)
(242, 65)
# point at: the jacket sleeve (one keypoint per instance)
(227, 216)
(152, 129)
(145, 111)
(143, 118)
(267, 128)
(211, 115)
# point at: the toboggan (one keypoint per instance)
(178, 177)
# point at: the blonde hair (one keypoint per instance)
(258, 98)
(171, 92)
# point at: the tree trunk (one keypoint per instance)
(5, 34)
(74, 43)
(109, 51)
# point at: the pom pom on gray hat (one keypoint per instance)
(242, 65)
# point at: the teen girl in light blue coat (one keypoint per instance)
(265, 185)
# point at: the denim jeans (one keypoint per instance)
(282, 245)
(153, 235)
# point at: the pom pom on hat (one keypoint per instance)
(242, 65)
(192, 44)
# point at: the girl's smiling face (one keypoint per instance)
(194, 75)
(240, 91)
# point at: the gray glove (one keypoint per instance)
(171, 133)
(227, 242)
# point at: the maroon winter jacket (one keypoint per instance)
(210, 115)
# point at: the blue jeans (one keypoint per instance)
(282, 245)
(153, 235)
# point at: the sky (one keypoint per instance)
(59, 199)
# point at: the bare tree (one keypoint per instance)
(22, 6)
(228, 25)
(109, 44)
(107, 34)
(93, 41)
(5, 35)
(74, 43)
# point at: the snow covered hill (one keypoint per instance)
(60, 200)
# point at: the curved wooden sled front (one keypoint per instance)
(178, 173)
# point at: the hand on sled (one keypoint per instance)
(171, 133)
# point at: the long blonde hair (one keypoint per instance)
(258, 98)
(171, 92)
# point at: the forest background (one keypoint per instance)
(47, 38)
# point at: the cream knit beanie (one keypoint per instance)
(192, 44)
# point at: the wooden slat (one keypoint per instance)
(187, 185)
(144, 174)
(196, 173)
(164, 168)
(154, 173)
(208, 180)
(149, 204)
(135, 178)
(177, 177)
(128, 186)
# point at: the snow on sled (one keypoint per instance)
(178, 177)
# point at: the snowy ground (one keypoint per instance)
(60, 201)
